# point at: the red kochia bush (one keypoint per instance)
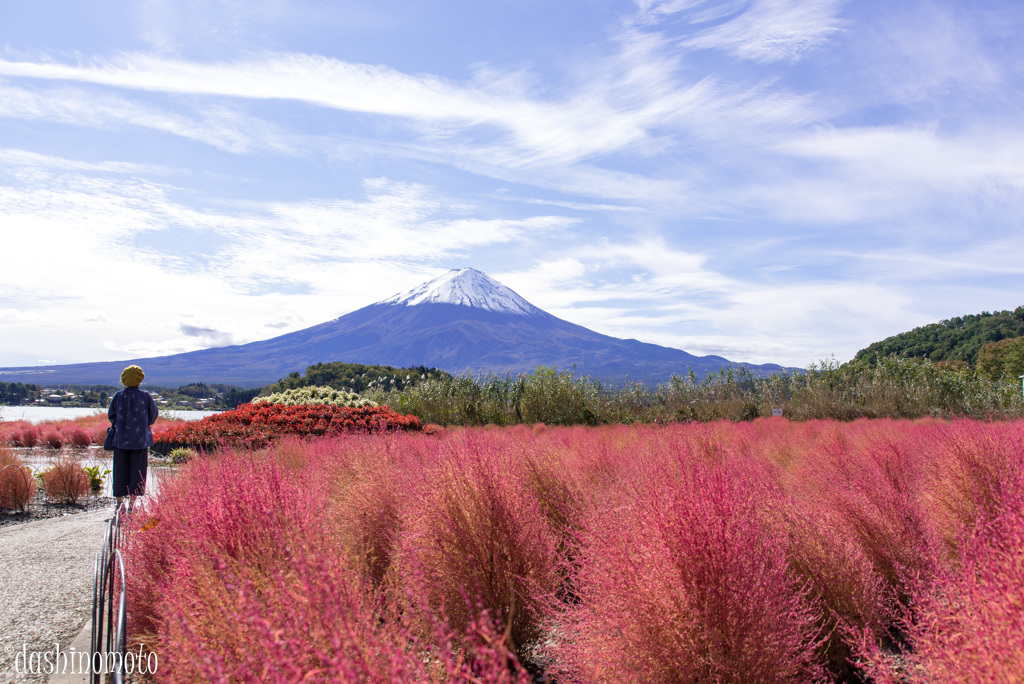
(76, 436)
(478, 530)
(968, 621)
(237, 577)
(687, 584)
(691, 553)
(17, 486)
(254, 425)
(66, 482)
(29, 437)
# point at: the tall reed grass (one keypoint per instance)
(888, 388)
(768, 551)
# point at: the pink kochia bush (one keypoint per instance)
(29, 437)
(239, 575)
(689, 584)
(767, 551)
(969, 619)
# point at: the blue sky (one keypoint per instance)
(768, 180)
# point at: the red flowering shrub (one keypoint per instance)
(54, 439)
(255, 425)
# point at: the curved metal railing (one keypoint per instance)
(108, 646)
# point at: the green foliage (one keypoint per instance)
(198, 390)
(16, 392)
(959, 338)
(235, 396)
(315, 395)
(1002, 359)
(96, 477)
(892, 387)
(355, 377)
(181, 455)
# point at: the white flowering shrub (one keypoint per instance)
(315, 395)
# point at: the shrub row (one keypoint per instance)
(80, 432)
(64, 482)
(256, 425)
(53, 437)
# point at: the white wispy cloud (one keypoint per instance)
(580, 206)
(345, 252)
(757, 30)
(891, 174)
(15, 157)
(939, 52)
(773, 30)
(621, 103)
(656, 293)
(216, 125)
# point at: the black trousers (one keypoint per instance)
(129, 471)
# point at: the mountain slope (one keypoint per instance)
(463, 320)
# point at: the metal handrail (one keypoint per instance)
(121, 642)
(105, 641)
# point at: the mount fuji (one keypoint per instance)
(462, 320)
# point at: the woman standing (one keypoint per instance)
(131, 413)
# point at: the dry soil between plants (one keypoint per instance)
(46, 575)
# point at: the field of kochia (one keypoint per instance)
(762, 551)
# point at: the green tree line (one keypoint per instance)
(355, 377)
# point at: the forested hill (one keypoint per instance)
(957, 338)
(354, 377)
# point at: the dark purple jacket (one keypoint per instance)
(132, 411)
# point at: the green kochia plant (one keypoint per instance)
(96, 478)
(181, 455)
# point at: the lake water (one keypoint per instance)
(37, 414)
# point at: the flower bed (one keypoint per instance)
(256, 425)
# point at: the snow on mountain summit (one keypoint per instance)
(466, 287)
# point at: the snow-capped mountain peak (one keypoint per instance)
(466, 287)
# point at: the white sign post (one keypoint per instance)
(777, 413)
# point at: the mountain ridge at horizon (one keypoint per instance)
(461, 320)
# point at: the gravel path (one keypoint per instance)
(46, 575)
